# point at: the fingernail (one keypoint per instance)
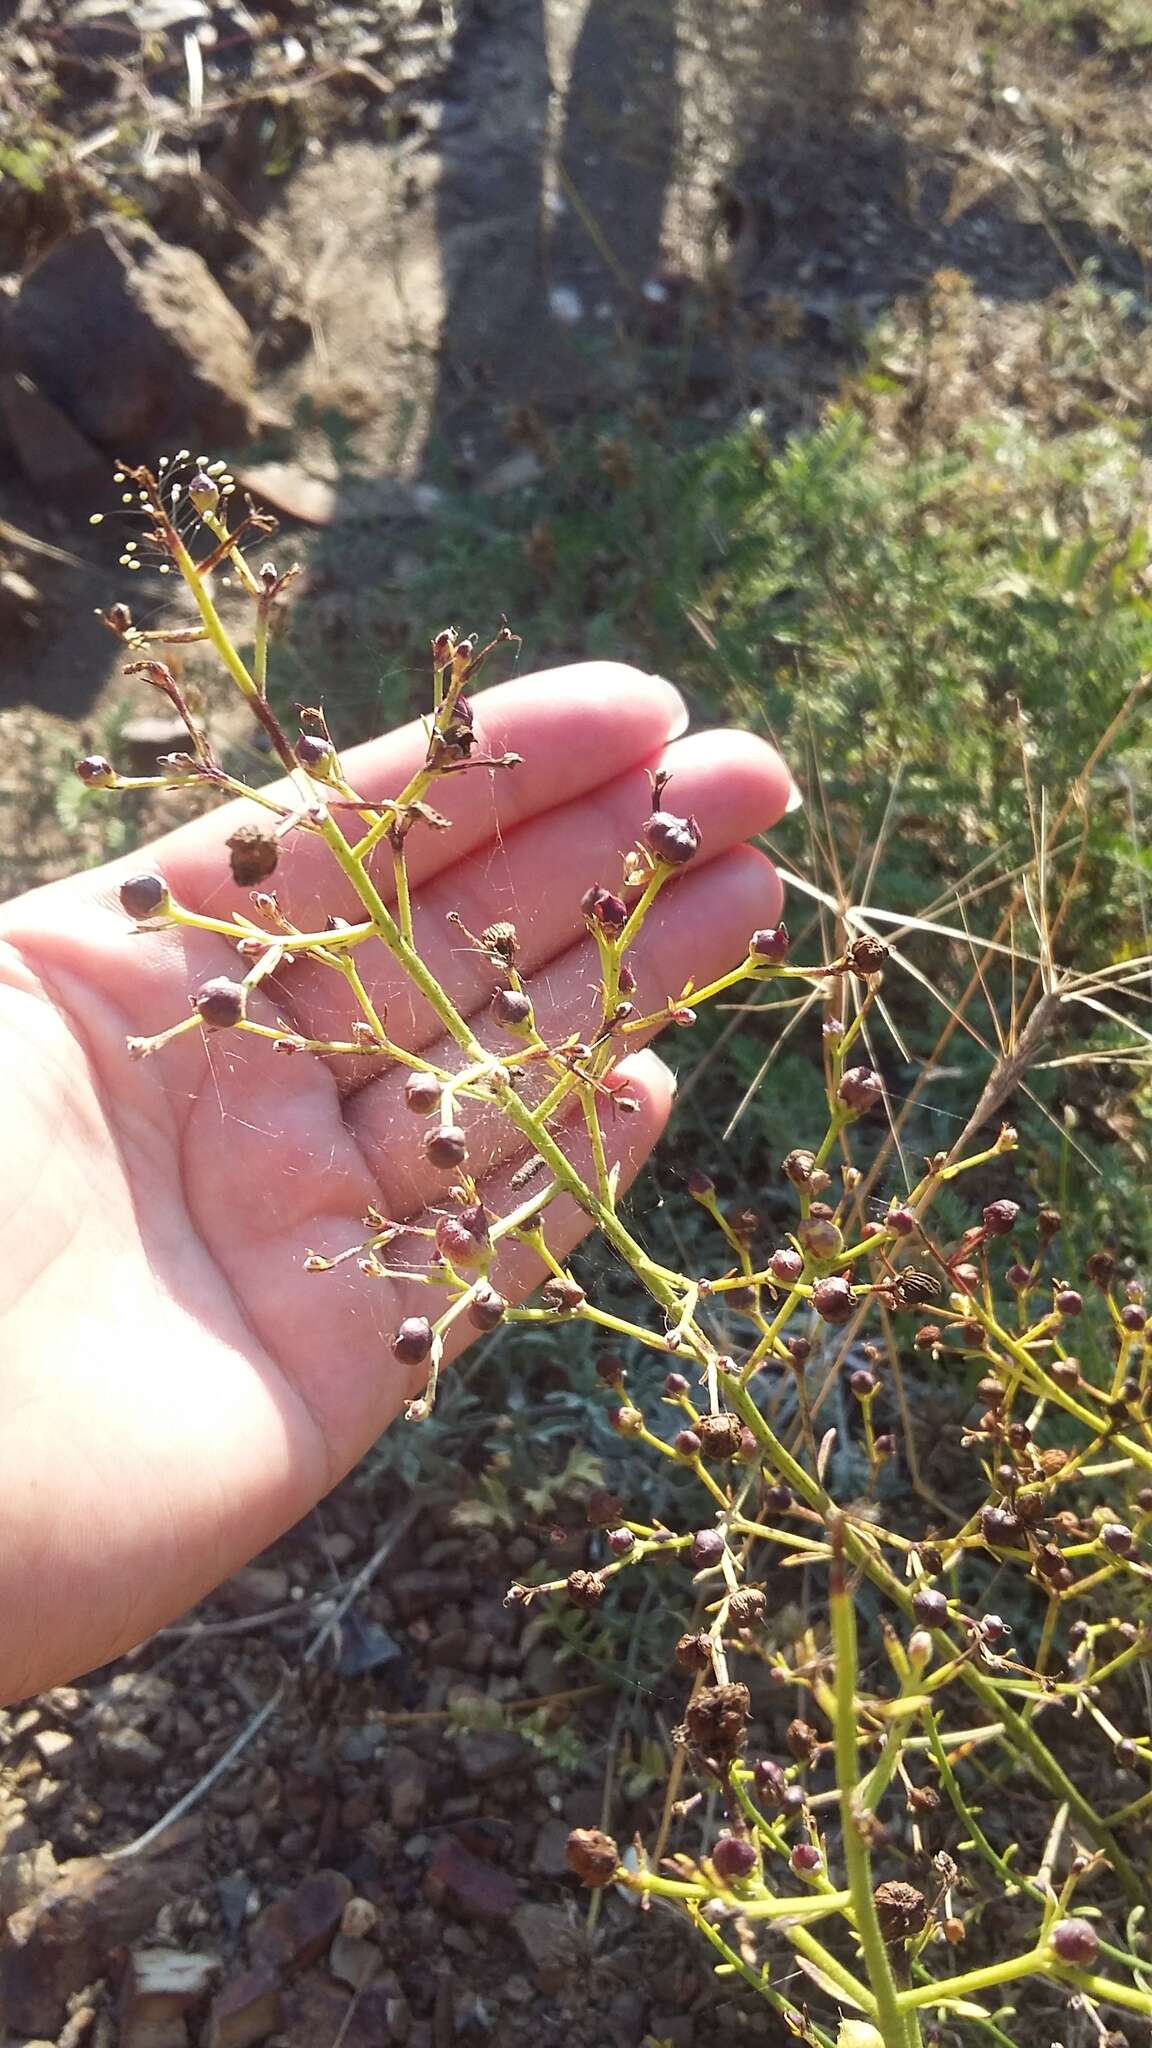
(795, 799)
(680, 714)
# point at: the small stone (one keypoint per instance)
(550, 1853)
(233, 1894)
(364, 1647)
(338, 1546)
(246, 2011)
(61, 1940)
(553, 1942)
(255, 1588)
(158, 1987)
(24, 1875)
(353, 1960)
(54, 1747)
(469, 1885)
(295, 1931)
(488, 1753)
(406, 1776)
(129, 1753)
(362, 1745)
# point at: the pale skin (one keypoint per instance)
(175, 1390)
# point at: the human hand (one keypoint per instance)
(175, 1389)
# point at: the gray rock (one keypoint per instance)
(133, 340)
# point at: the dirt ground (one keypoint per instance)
(448, 230)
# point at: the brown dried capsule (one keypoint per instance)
(803, 1741)
(412, 1342)
(927, 1337)
(833, 1299)
(592, 1856)
(1069, 1302)
(1076, 1943)
(901, 1910)
(1049, 1224)
(562, 1293)
(584, 1589)
(990, 1391)
(860, 1089)
(144, 896)
(694, 1653)
(770, 945)
(1116, 1538)
(747, 1607)
(719, 1436)
(866, 955)
(221, 1003)
(673, 840)
(1001, 1528)
(716, 1723)
(1134, 1316)
(1000, 1217)
(252, 855)
(798, 1166)
(1100, 1268)
(1018, 1276)
(446, 1148)
(734, 1858)
(463, 1239)
(1065, 1372)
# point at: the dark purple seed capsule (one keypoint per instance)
(1075, 1942)
(446, 1148)
(412, 1342)
(770, 945)
(734, 1858)
(144, 895)
(221, 1002)
(671, 839)
(422, 1093)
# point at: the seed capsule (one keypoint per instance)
(446, 1148)
(1075, 1942)
(734, 1858)
(412, 1342)
(671, 839)
(144, 895)
(221, 1003)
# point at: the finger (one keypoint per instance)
(574, 728)
(733, 783)
(700, 927)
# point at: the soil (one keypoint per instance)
(441, 224)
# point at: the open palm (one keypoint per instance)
(175, 1390)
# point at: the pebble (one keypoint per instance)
(294, 1931)
(470, 1885)
(129, 1753)
(246, 2011)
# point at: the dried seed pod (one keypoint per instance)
(798, 1166)
(584, 1589)
(866, 955)
(463, 1239)
(592, 1856)
(1000, 1217)
(313, 751)
(563, 1294)
(747, 1608)
(805, 1859)
(1101, 1268)
(1068, 1301)
(820, 1237)
(673, 840)
(694, 1653)
(620, 1542)
(1001, 1528)
(252, 855)
(901, 1220)
(720, 1436)
(716, 1724)
(802, 1740)
(675, 1385)
(860, 1089)
(833, 1299)
(901, 1910)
